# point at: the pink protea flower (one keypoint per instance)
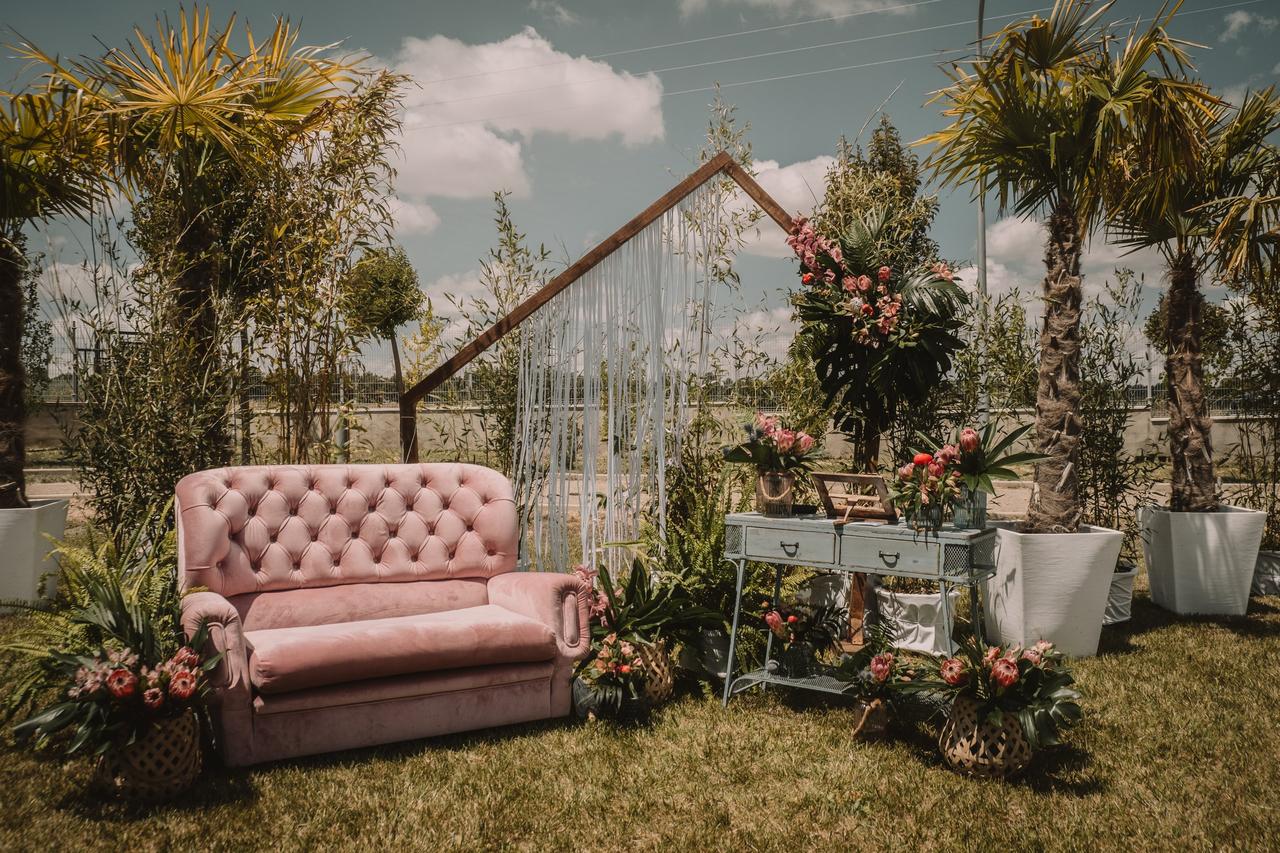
(906, 471)
(836, 254)
(948, 454)
(774, 620)
(1004, 672)
(587, 573)
(935, 469)
(766, 423)
(881, 667)
(784, 439)
(153, 697)
(953, 672)
(968, 439)
(182, 684)
(883, 273)
(186, 657)
(829, 276)
(804, 442)
(1033, 656)
(989, 658)
(849, 283)
(864, 283)
(1043, 646)
(122, 683)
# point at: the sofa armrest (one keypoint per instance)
(560, 601)
(226, 637)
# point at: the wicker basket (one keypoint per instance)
(160, 765)
(974, 747)
(659, 676)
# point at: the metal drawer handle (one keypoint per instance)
(790, 550)
(885, 558)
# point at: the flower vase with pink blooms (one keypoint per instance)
(1006, 703)
(925, 488)
(801, 634)
(976, 459)
(779, 454)
(876, 673)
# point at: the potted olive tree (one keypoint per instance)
(1210, 213)
(1041, 120)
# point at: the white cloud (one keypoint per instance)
(1238, 21)
(465, 124)
(413, 217)
(797, 187)
(446, 292)
(783, 8)
(769, 329)
(555, 12)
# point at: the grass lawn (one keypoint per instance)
(1180, 750)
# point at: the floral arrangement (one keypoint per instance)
(771, 446)
(928, 484)
(879, 337)
(981, 456)
(1031, 683)
(801, 625)
(116, 695)
(615, 674)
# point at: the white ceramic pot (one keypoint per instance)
(25, 547)
(1120, 596)
(1202, 562)
(1051, 586)
(922, 626)
(1266, 573)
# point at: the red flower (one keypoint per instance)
(624, 669)
(186, 658)
(182, 684)
(792, 619)
(1004, 672)
(922, 458)
(884, 273)
(969, 439)
(122, 683)
(881, 667)
(867, 309)
(153, 698)
(953, 672)
(807, 278)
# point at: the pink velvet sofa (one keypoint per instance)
(365, 604)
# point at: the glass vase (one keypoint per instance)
(926, 518)
(970, 511)
(775, 493)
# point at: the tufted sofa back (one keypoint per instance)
(276, 527)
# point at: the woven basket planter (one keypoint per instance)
(159, 766)
(972, 746)
(660, 677)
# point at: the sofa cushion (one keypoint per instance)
(355, 602)
(285, 659)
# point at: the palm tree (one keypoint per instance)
(47, 168)
(1043, 119)
(1217, 213)
(185, 114)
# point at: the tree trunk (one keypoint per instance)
(408, 420)
(1190, 444)
(13, 410)
(1055, 504)
(197, 315)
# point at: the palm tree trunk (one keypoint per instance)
(1055, 504)
(195, 287)
(13, 408)
(1190, 442)
(408, 425)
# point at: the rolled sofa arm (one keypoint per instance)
(560, 601)
(231, 675)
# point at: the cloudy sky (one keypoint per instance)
(587, 110)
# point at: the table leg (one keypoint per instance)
(976, 615)
(947, 616)
(733, 633)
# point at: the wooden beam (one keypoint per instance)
(722, 162)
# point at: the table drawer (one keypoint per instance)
(805, 547)
(916, 557)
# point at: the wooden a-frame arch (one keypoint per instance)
(722, 162)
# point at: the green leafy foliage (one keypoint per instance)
(381, 292)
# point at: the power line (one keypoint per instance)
(701, 40)
(932, 55)
(671, 68)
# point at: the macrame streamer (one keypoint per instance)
(605, 368)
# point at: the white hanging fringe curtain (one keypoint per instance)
(605, 368)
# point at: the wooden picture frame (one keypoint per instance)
(854, 497)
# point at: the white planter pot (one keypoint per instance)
(1266, 573)
(1202, 562)
(1051, 586)
(25, 547)
(922, 626)
(1120, 597)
